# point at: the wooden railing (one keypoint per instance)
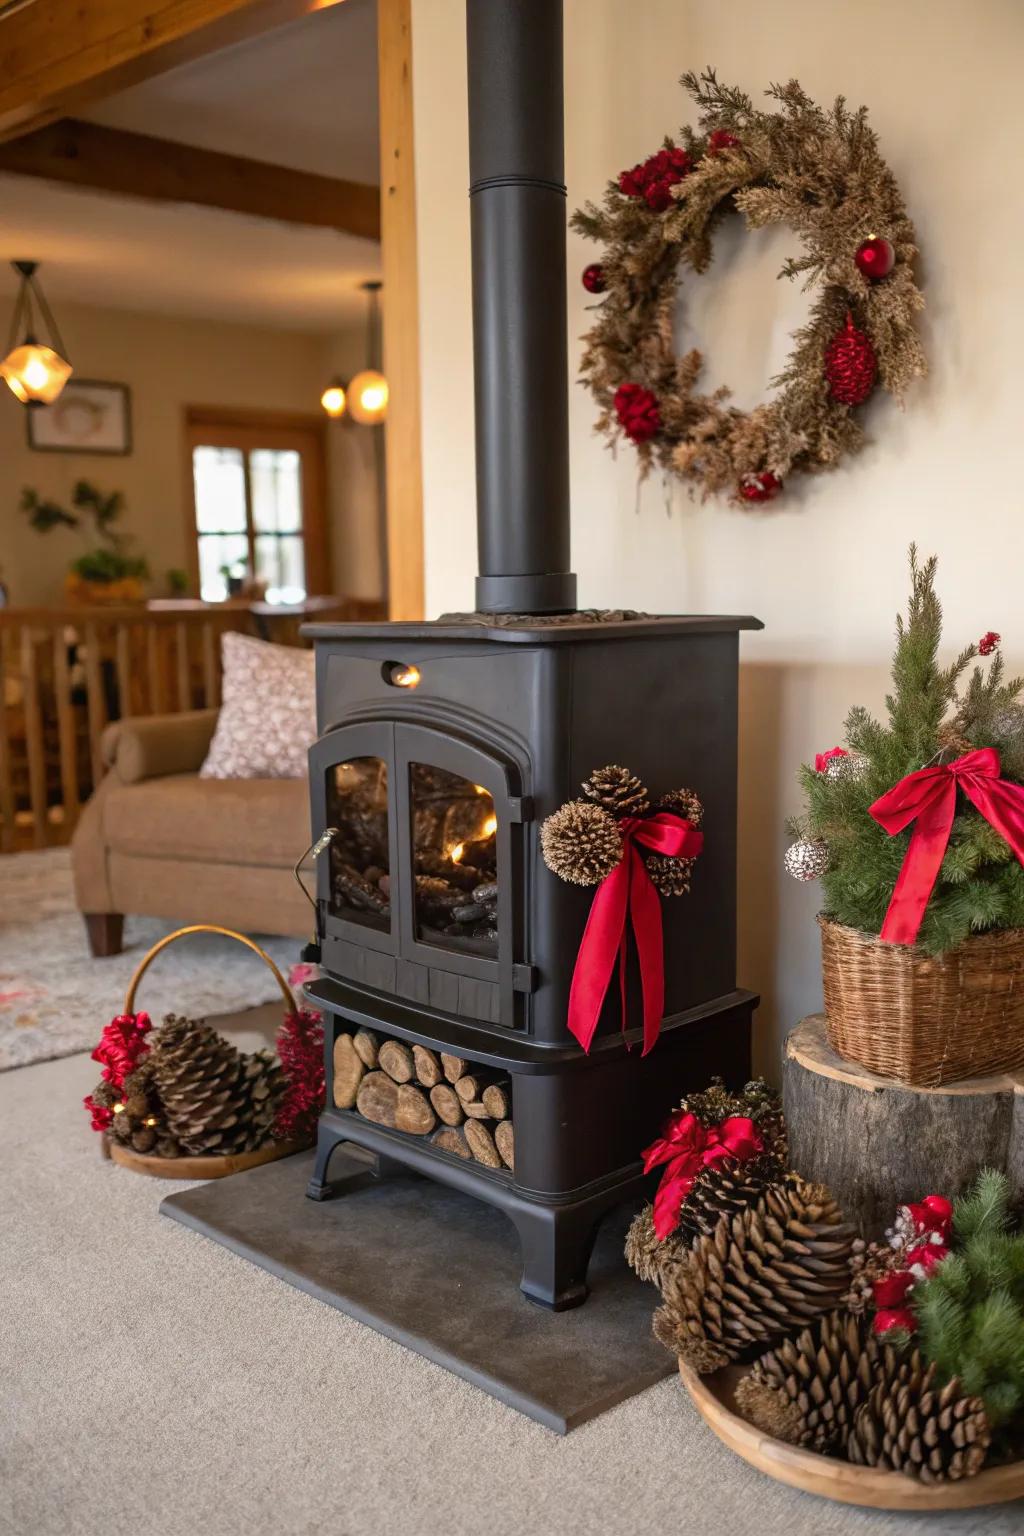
(66, 672)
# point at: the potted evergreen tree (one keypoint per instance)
(916, 830)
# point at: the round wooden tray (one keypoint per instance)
(198, 1167)
(839, 1480)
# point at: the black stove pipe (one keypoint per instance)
(517, 202)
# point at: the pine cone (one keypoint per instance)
(808, 1389)
(617, 790)
(683, 802)
(765, 1270)
(909, 1424)
(669, 876)
(648, 1254)
(722, 1189)
(581, 843)
(214, 1099)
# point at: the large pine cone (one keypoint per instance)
(617, 790)
(764, 1271)
(909, 1424)
(214, 1099)
(648, 1254)
(807, 1390)
(722, 1189)
(581, 843)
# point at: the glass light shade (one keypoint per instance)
(35, 374)
(368, 397)
(333, 399)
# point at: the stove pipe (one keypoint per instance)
(517, 202)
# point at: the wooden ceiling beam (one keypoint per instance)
(56, 56)
(83, 154)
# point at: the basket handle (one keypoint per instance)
(229, 933)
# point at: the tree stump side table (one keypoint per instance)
(879, 1143)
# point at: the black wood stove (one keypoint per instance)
(444, 745)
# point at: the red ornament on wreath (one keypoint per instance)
(875, 258)
(593, 278)
(762, 487)
(850, 365)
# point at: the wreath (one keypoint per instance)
(821, 173)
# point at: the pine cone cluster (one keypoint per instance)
(617, 791)
(214, 1098)
(671, 876)
(763, 1271)
(581, 842)
(137, 1119)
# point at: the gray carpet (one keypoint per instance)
(152, 1381)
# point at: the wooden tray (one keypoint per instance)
(839, 1480)
(198, 1167)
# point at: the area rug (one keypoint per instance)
(55, 998)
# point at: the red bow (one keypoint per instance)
(688, 1146)
(628, 894)
(928, 797)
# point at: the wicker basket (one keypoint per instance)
(925, 1019)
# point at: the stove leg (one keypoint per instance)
(556, 1247)
(328, 1141)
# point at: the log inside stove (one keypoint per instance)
(413, 1088)
(454, 830)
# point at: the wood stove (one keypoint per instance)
(444, 745)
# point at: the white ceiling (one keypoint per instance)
(304, 95)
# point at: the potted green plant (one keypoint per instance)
(105, 573)
(916, 830)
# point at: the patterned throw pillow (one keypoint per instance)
(267, 717)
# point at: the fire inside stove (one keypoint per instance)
(453, 843)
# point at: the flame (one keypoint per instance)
(455, 854)
(490, 826)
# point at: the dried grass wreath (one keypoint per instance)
(821, 174)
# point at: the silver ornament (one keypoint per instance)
(1008, 723)
(853, 766)
(807, 858)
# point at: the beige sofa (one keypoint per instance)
(157, 840)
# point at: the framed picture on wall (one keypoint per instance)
(87, 417)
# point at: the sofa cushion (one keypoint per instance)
(229, 821)
(267, 718)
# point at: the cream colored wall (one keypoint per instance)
(171, 362)
(824, 568)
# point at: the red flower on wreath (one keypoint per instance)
(638, 413)
(722, 139)
(988, 642)
(762, 487)
(655, 177)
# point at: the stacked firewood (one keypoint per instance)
(411, 1088)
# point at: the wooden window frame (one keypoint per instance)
(212, 427)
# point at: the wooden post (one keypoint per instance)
(65, 731)
(34, 738)
(878, 1143)
(400, 311)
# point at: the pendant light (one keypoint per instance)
(368, 391)
(35, 372)
(333, 399)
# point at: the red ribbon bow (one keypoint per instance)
(628, 894)
(928, 797)
(687, 1146)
